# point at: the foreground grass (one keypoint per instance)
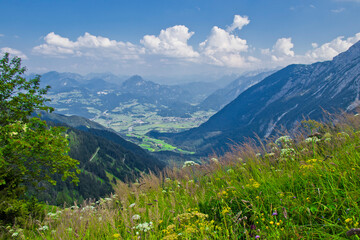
(307, 187)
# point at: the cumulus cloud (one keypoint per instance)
(282, 54)
(238, 23)
(329, 50)
(87, 45)
(281, 50)
(14, 52)
(171, 42)
(224, 48)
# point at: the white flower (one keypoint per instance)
(312, 140)
(283, 139)
(144, 227)
(43, 228)
(135, 217)
(132, 205)
(189, 164)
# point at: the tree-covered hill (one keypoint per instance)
(104, 159)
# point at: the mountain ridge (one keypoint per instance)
(281, 99)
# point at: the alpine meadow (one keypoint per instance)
(179, 120)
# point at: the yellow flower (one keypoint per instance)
(277, 224)
(271, 222)
(116, 235)
(348, 220)
(160, 221)
(257, 197)
(225, 210)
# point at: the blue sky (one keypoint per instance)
(171, 38)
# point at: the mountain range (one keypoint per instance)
(284, 98)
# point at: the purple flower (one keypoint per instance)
(257, 236)
(275, 213)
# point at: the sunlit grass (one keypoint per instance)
(303, 187)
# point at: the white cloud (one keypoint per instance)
(339, 10)
(238, 23)
(281, 50)
(224, 48)
(14, 52)
(2, 35)
(314, 45)
(171, 42)
(283, 47)
(329, 50)
(282, 54)
(87, 45)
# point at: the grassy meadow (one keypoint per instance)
(302, 187)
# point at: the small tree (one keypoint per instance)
(30, 151)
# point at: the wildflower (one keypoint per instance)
(257, 236)
(15, 234)
(225, 210)
(132, 205)
(116, 235)
(43, 228)
(348, 220)
(189, 164)
(312, 140)
(277, 224)
(271, 222)
(283, 139)
(135, 217)
(275, 213)
(144, 227)
(215, 160)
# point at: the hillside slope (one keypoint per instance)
(282, 99)
(104, 158)
(224, 96)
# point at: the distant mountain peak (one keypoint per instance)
(352, 53)
(137, 81)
